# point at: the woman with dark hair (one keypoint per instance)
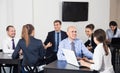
(102, 56)
(90, 44)
(32, 48)
(114, 31)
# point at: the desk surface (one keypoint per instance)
(7, 59)
(65, 66)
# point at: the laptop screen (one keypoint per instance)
(115, 42)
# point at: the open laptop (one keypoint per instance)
(115, 42)
(70, 57)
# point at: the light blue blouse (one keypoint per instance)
(110, 35)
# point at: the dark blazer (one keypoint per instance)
(92, 44)
(33, 54)
(50, 54)
(51, 38)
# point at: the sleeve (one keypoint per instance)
(15, 54)
(87, 43)
(60, 55)
(119, 33)
(86, 52)
(42, 50)
(6, 48)
(97, 59)
(47, 39)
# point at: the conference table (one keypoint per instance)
(64, 67)
(7, 59)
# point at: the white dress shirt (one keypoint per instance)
(102, 63)
(7, 45)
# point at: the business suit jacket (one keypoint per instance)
(33, 54)
(51, 38)
(92, 44)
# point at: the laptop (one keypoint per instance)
(115, 42)
(70, 57)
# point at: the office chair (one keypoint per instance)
(31, 69)
(34, 69)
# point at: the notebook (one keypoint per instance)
(115, 42)
(70, 57)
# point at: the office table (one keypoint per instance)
(7, 59)
(63, 67)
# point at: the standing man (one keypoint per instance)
(73, 43)
(9, 44)
(53, 39)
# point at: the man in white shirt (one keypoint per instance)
(7, 44)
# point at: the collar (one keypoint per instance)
(9, 38)
(57, 31)
(71, 41)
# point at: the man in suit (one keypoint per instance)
(53, 39)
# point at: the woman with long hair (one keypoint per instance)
(113, 32)
(32, 48)
(102, 56)
(90, 44)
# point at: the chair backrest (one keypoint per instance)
(30, 69)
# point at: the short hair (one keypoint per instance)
(58, 21)
(7, 28)
(90, 26)
(113, 23)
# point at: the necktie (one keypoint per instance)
(13, 44)
(73, 47)
(57, 40)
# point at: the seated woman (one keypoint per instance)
(90, 44)
(114, 31)
(32, 48)
(102, 55)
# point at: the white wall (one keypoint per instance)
(42, 13)
(46, 11)
(15, 12)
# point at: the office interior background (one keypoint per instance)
(42, 13)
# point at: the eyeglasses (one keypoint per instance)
(74, 31)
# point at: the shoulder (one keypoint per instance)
(5, 39)
(108, 30)
(36, 40)
(63, 31)
(21, 40)
(118, 29)
(51, 32)
(100, 48)
(64, 40)
(78, 40)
